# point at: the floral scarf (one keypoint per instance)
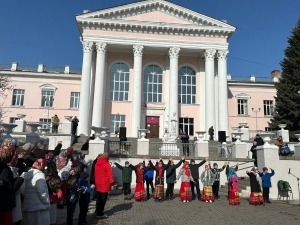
(186, 170)
(61, 160)
(52, 178)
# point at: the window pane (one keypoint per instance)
(152, 83)
(119, 87)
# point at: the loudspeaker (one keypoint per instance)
(122, 132)
(222, 136)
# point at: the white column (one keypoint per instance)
(136, 90)
(173, 88)
(202, 94)
(100, 86)
(92, 86)
(223, 91)
(166, 96)
(84, 110)
(210, 88)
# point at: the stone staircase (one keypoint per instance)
(244, 188)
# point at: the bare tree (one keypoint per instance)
(5, 87)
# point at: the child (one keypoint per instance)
(84, 199)
(185, 192)
(126, 178)
(266, 182)
(207, 179)
(216, 171)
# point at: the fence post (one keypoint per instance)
(201, 149)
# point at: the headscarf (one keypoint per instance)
(105, 155)
(185, 168)
(28, 147)
(39, 164)
(52, 178)
(49, 157)
(7, 154)
(14, 142)
(231, 173)
(207, 172)
(6, 142)
(160, 170)
(253, 170)
(61, 160)
(70, 150)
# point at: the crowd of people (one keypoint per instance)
(34, 182)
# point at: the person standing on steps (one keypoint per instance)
(55, 124)
(117, 130)
(171, 177)
(194, 168)
(211, 133)
(185, 143)
(126, 179)
(75, 122)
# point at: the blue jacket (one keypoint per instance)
(149, 174)
(266, 179)
(85, 190)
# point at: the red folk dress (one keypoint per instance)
(234, 197)
(139, 193)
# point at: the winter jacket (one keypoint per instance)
(7, 194)
(185, 139)
(254, 182)
(266, 179)
(206, 180)
(126, 173)
(278, 143)
(171, 172)
(184, 177)
(259, 141)
(104, 178)
(36, 196)
(17, 211)
(254, 151)
(92, 174)
(149, 173)
(84, 199)
(216, 172)
(195, 169)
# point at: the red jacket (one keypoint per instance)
(104, 178)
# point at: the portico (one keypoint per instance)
(181, 49)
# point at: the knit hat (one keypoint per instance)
(84, 175)
(192, 160)
(28, 146)
(215, 164)
(49, 156)
(126, 162)
(265, 168)
(39, 164)
(14, 142)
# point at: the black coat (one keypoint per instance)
(145, 169)
(254, 151)
(157, 180)
(195, 169)
(185, 139)
(85, 146)
(254, 183)
(259, 141)
(92, 174)
(8, 189)
(171, 172)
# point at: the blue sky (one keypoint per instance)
(34, 32)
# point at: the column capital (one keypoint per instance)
(174, 52)
(210, 54)
(138, 50)
(87, 46)
(101, 47)
(222, 54)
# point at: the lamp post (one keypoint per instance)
(256, 111)
(48, 101)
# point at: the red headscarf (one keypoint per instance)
(160, 170)
(39, 164)
(185, 167)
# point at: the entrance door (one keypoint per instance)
(152, 124)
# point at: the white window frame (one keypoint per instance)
(268, 107)
(47, 91)
(183, 124)
(243, 100)
(75, 100)
(116, 119)
(183, 86)
(43, 122)
(117, 82)
(13, 119)
(152, 85)
(18, 97)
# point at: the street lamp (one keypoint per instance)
(256, 111)
(48, 101)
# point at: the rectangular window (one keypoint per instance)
(116, 120)
(13, 119)
(242, 107)
(47, 98)
(45, 122)
(268, 107)
(74, 101)
(187, 125)
(269, 129)
(18, 97)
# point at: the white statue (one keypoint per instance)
(173, 124)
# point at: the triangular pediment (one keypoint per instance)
(158, 17)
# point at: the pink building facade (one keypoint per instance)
(145, 65)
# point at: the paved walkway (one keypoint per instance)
(122, 212)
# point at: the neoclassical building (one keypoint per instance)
(143, 64)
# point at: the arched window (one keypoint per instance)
(153, 84)
(186, 85)
(119, 82)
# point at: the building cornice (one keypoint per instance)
(251, 84)
(42, 75)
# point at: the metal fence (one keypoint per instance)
(123, 147)
(220, 151)
(52, 128)
(158, 149)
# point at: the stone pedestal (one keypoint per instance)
(143, 146)
(96, 147)
(285, 135)
(267, 155)
(239, 150)
(297, 150)
(201, 149)
(245, 131)
(67, 127)
(21, 126)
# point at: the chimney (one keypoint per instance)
(86, 11)
(14, 66)
(275, 73)
(252, 78)
(40, 68)
(67, 69)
